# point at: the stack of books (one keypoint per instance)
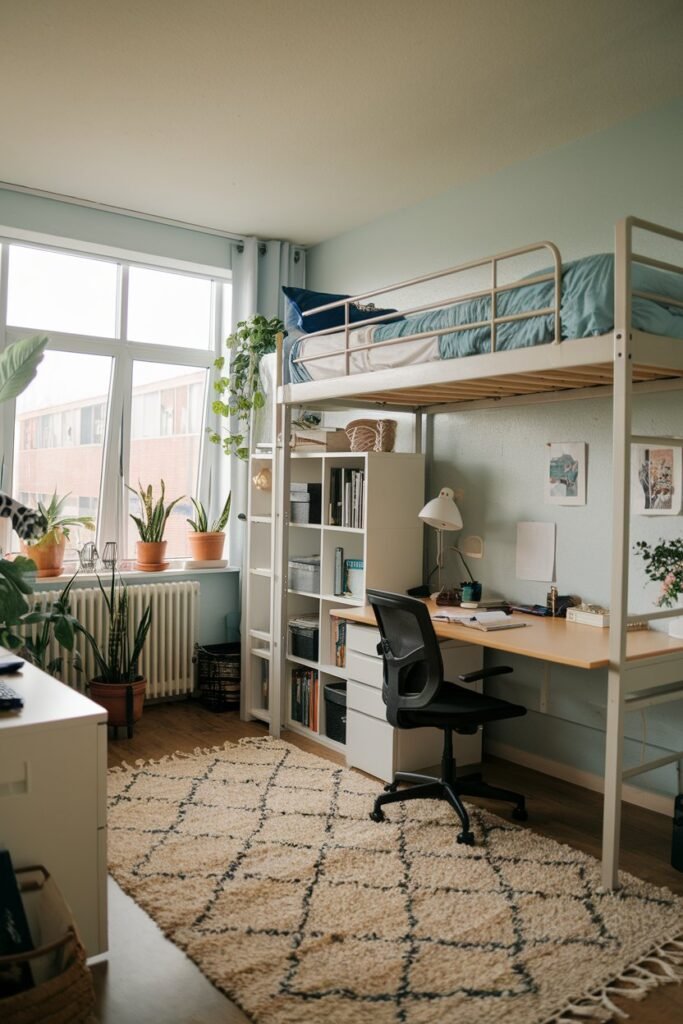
(339, 636)
(347, 495)
(305, 694)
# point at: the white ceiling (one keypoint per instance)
(301, 119)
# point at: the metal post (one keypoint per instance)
(621, 472)
(280, 582)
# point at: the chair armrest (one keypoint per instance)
(485, 673)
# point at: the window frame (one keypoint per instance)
(112, 502)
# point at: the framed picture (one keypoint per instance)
(565, 478)
(656, 480)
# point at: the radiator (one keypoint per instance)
(166, 661)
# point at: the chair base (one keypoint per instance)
(449, 788)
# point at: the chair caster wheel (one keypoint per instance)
(377, 815)
(467, 838)
(391, 787)
(520, 813)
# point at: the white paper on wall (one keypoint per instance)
(536, 551)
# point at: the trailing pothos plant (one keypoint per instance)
(240, 390)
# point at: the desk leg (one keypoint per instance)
(614, 750)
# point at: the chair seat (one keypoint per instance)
(455, 706)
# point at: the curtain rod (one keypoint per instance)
(120, 210)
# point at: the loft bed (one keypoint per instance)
(508, 342)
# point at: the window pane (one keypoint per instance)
(169, 309)
(58, 292)
(60, 433)
(166, 430)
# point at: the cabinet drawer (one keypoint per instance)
(363, 639)
(364, 669)
(367, 699)
(370, 745)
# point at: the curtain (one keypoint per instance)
(259, 269)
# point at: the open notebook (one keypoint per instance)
(480, 620)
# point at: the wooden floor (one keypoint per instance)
(146, 979)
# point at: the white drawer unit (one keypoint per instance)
(53, 772)
(372, 744)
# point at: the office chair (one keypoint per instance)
(416, 695)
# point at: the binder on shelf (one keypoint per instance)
(338, 571)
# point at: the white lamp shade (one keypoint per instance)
(442, 512)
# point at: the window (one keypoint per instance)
(99, 392)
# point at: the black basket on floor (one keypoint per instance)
(218, 675)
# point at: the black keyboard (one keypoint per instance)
(9, 699)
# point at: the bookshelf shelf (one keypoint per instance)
(385, 496)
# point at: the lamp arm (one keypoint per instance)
(462, 559)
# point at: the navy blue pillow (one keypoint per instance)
(302, 299)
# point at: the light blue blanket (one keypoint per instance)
(587, 309)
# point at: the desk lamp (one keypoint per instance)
(443, 514)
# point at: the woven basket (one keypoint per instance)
(372, 435)
(66, 995)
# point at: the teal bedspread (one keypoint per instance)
(587, 309)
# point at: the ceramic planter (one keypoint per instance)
(113, 697)
(150, 557)
(206, 547)
(48, 553)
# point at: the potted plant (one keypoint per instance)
(664, 564)
(48, 551)
(252, 339)
(206, 544)
(118, 687)
(53, 620)
(151, 548)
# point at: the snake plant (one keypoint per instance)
(152, 523)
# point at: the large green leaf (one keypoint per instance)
(18, 364)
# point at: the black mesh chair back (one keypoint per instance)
(413, 669)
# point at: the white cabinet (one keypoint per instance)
(53, 771)
(372, 744)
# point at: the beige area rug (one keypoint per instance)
(260, 861)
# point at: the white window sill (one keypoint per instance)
(130, 575)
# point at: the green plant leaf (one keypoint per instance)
(18, 365)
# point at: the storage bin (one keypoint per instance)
(304, 573)
(62, 992)
(303, 637)
(218, 675)
(335, 711)
(299, 507)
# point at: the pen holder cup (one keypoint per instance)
(471, 591)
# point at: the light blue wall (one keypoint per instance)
(68, 220)
(573, 196)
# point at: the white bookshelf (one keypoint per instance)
(259, 585)
(389, 543)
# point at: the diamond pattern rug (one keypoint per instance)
(260, 861)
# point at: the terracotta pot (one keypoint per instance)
(113, 696)
(206, 547)
(150, 557)
(48, 553)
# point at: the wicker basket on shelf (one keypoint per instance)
(371, 435)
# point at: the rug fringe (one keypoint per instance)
(635, 982)
(181, 755)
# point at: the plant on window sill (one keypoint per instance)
(207, 544)
(252, 339)
(48, 551)
(151, 524)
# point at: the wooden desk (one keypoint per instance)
(553, 640)
(632, 687)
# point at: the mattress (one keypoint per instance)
(586, 310)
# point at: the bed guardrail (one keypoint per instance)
(648, 261)
(492, 292)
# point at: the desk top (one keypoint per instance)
(555, 640)
(48, 703)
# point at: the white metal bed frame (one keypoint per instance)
(614, 363)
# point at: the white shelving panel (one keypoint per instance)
(389, 544)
